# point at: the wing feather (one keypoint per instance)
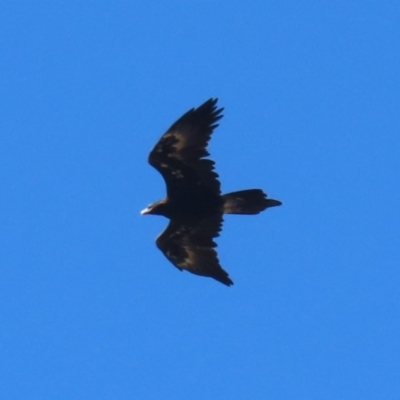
(189, 245)
(179, 154)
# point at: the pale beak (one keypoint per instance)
(145, 211)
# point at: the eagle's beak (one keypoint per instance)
(145, 211)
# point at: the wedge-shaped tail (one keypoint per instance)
(251, 201)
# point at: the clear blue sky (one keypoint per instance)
(91, 309)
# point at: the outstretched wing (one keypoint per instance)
(179, 154)
(189, 245)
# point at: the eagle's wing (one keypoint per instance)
(178, 155)
(189, 245)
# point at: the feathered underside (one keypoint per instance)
(194, 203)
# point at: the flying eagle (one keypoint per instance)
(194, 203)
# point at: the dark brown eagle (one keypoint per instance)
(194, 203)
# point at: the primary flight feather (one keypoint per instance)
(194, 203)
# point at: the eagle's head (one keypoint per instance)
(157, 208)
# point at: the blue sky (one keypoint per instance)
(91, 309)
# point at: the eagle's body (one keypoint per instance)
(194, 203)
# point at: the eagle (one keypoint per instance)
(194, 203)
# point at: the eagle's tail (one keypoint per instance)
(251, 201)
